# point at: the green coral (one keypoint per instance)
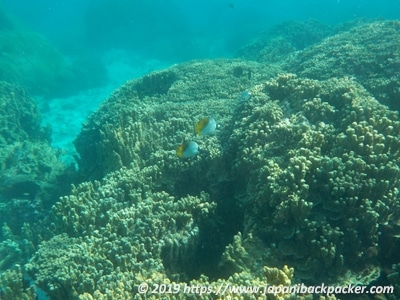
(304, 173)
(281, 40)
(30, 61)
(368, 52)
(123, 233)
(13, 286)
(155, 113)
(322, 177)
(29, 167)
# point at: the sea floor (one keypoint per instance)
(66, 115)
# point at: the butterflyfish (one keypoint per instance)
(245, 96)
(187, 149)
(205, 126)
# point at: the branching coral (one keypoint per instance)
(124, 232)
(13, 285)
(322, 181)
(368, 52)
(303, 173)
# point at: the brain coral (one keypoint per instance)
(322, 162)
(369, 53)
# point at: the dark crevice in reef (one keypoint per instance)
(204, 254)
(156, 83)
(215, 236)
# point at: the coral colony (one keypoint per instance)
(299, 184)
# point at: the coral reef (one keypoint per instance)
(32, 62)
(20, 120)
(32, 176)
(146, 119)
(155, 217)
(29, 167)
(13, 285)
(369, 53)
(144, 240)
(82, 73)
(298, 183)
(283, 39)
(322, 162)
(119, 233)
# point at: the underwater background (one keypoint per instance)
(198, 143)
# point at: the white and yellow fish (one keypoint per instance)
(205, 126)
(187, 149)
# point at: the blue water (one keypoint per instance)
(153, 34)
(177, 29)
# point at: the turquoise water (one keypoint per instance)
(179, 30)
(132, 38)
(67, 121)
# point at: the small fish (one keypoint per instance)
(205, 126)
(187, 149)
(245, 96)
